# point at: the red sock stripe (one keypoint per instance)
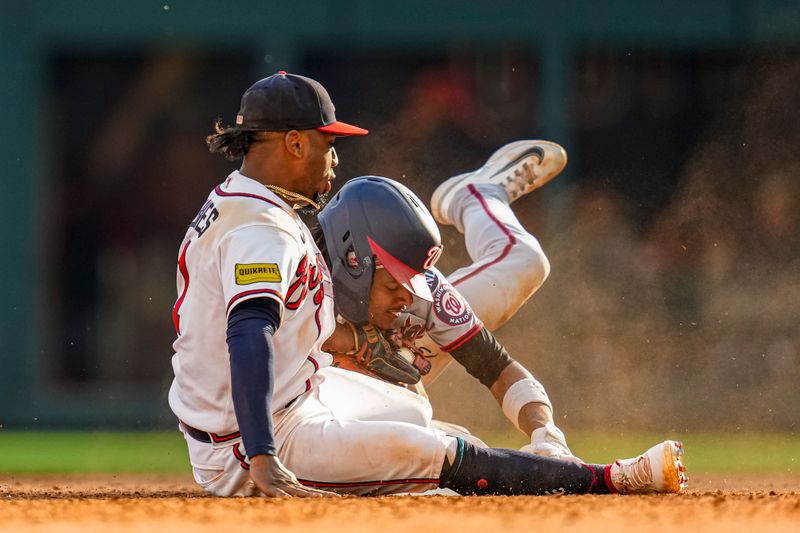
(511, 239)
(607, 479)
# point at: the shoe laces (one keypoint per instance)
(634, 475)
(518, 181)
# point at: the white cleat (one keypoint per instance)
(519, 167)
(659, 469)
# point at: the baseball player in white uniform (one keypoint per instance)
(254, 307)
(508, 267)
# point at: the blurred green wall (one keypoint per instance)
(31, 31)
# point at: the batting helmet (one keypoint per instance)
(374, 221)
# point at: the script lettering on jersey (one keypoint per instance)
(408, 334)
(307, 278)
(208, 214)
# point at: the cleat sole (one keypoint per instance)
(675, 479)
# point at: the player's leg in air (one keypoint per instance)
(356, 217)
(508, 263)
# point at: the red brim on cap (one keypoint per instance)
(410, 279)
(342, 128)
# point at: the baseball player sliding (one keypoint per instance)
(255, 305)
(508, 267)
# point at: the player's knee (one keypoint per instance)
(534, 267)
(541, 268)
(415, 409)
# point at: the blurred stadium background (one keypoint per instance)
(674, 298)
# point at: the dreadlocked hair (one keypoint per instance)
(233, 143)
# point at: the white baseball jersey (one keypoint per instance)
(246, 242)
(448, 319)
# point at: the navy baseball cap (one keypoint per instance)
(284, 102)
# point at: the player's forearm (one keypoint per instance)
(341, 340)
(533, 414)
(483, 357)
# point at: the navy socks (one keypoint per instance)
(500, 471)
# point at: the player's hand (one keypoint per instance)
(274, 479)
(549, 441)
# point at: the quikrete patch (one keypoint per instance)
(257, 273)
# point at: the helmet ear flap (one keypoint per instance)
(352, 267)
(374, 216)
(351, 298)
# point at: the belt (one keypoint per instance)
(207, 436)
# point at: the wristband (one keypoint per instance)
(521, 393)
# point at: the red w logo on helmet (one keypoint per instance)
(433, 255)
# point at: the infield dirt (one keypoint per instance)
(125, 503)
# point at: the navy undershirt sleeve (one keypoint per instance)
(483, 357)
(251, 326)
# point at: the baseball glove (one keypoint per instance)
(376, 356)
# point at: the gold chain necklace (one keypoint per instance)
(296, 199)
